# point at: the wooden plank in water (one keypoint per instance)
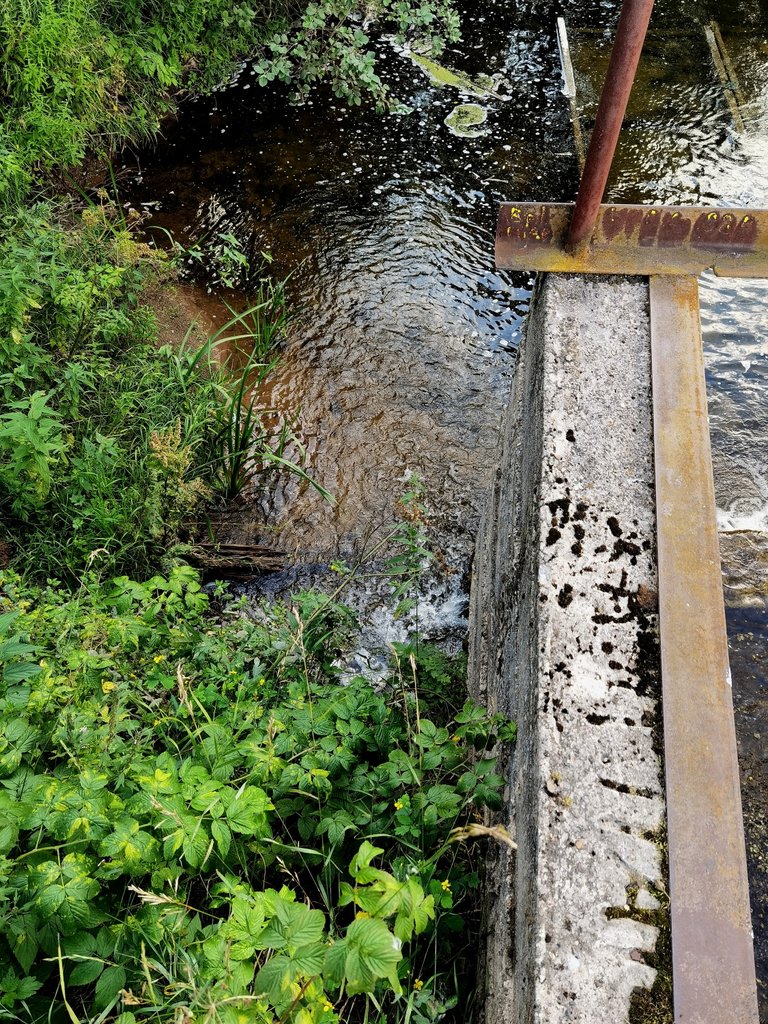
(725, 72)
(569, 90)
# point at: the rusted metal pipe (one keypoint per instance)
(630, 36)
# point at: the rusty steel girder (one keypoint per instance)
(713, 968)
(644, 240)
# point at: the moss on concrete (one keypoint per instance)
(654, 1005)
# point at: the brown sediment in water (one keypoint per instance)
(185, 314)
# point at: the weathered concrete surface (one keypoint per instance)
(564, 640)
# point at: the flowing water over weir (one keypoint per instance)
(404, 356)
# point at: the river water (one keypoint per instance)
(402, 360)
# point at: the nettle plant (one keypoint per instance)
(200, 823)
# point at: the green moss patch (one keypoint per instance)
(465, 118)
(483, 86)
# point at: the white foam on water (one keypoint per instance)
(730, 521)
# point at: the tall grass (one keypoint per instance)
(249, 438)
(110, 447)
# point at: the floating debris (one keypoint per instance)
(464, 120)
(484, 87)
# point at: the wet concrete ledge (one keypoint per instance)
(564, 639)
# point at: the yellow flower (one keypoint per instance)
(398, 805)
(445, 885)
(158, 658)
(455, 738)
(107, 686)
(262, 681)
(418, 984)
(327, 1007)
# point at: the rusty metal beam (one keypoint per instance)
(712, 957)
(630, 36)
(640, 240)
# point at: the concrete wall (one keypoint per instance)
(564, 640)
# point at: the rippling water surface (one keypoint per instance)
(403, 358)
(405, 353)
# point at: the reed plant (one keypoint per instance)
(249, 438)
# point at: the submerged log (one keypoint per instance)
(235, 560)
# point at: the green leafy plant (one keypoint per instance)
(246, 439)
(412, 549)
(75, 76)
(109, 444)
(31, 442)
(199, 821)
(246, 444)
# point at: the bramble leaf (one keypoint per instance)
(223, 837)
(362, 859)
(247, 812)
(372, 952)
(85, 972)
(294, 926)
(274, 978)
(108, 987)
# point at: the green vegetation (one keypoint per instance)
(79, 76)
(109, 445)
(201, 824)
(198, 821)
(483, 86)
(465, 119)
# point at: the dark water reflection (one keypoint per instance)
(405, 354)
(403, 360)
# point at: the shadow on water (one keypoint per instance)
(403, 356)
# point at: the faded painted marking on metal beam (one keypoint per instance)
(712, 956)
(643, 240)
